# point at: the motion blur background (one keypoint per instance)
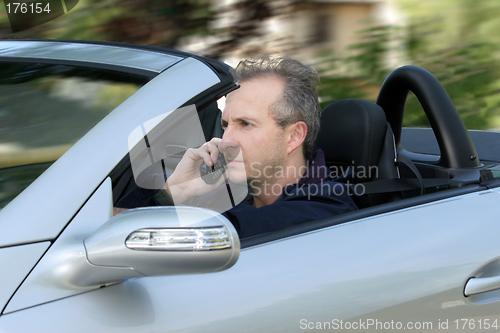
(353, 44)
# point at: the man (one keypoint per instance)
(273, 119)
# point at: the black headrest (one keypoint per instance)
(352, 130)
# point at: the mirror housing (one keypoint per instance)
(157, 241)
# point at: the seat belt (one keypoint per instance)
(405, 160)
(403, 184)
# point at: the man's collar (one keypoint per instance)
(316, 168)
(317, 171)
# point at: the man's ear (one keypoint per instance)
(296, 134)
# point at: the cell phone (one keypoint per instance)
(211, 175)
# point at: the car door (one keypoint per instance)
(37, 216)
(406, 268)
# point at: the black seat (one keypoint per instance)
(354, 133)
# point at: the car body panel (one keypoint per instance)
(423, 141)
(15, 264)
(86, 164)
(412, 258)
(48, 279)
(74, 259)
(92, 53)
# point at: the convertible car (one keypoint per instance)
(78, 128)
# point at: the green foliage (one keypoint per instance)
(157, 22)
(359, 75)
(372, 51)
(456, 40)
(335, 87)
(468, 70)
(14, 180)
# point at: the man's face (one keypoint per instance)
(249, 125)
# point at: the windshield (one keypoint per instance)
(44, 110)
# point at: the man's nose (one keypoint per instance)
(229, 136)
(229, 144)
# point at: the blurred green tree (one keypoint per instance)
(156, 22)
(452, 40)
(456, 40)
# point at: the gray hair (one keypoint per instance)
(300, 100)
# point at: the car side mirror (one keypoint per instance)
(156, 241)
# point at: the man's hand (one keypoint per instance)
(186, 181)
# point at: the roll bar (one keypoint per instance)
(455, 143)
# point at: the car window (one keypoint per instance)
(157, 146)
(44, 110)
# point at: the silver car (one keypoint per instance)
(422, 253)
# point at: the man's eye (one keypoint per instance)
(244, 123)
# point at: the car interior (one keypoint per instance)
(362, 134)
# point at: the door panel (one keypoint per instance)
(405, 266)
(47, 281)
(15, 264)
